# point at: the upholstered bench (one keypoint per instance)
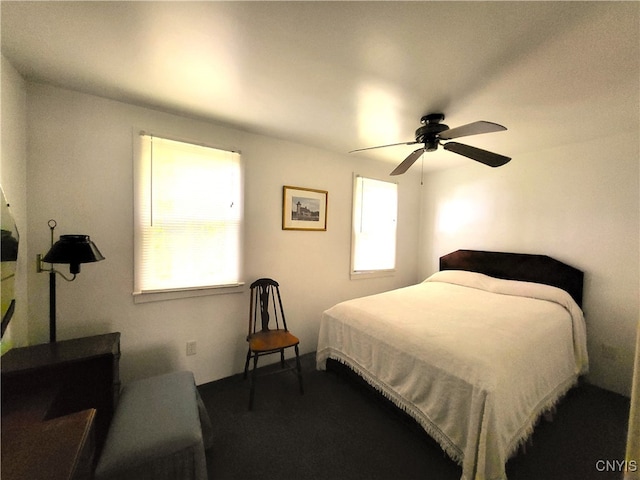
(160, 430)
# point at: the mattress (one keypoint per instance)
(474, 359)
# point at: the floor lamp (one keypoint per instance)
(72, 250)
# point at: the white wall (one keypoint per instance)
(13, 178)
(80, 173)
(577, 203)
(633, 429)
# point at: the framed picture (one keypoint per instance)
(304, 208)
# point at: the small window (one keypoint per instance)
(375, 212)
(188, 216)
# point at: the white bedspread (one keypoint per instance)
(474, 359)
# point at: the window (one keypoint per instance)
(375, 211)
(188, 216)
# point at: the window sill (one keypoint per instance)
(372, 274)
(159, 296)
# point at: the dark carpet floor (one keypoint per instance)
(340, 430)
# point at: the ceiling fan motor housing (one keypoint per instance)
(428, 134)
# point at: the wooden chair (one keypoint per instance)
(262, 339)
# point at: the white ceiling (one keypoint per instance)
(346, 75)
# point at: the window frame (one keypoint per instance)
(371, 273)
(144, 296)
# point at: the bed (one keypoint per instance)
(476, 353)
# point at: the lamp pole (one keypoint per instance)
(52, 293)
(52, 307)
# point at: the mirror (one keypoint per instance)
(9, 254)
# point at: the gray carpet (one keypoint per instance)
(339, 429)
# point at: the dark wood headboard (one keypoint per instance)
(518, 266)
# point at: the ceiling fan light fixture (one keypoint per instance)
(431, 144)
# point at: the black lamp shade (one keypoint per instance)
(74, 250)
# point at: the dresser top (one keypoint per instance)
(48, 355)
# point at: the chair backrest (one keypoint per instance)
(264, 293)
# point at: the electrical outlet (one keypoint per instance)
(191, 347)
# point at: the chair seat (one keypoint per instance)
(271, 340)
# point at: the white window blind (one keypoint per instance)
(188, 216)
(375, 211)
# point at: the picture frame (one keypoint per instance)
(304, 208)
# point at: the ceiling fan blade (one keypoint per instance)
(383, 146)
(407, 162)
(477, 154)
(474, 128)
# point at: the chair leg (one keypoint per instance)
(299, 369)
(252, 385)
(246, 364)
(282, 358)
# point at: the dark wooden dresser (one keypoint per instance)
(57, 401)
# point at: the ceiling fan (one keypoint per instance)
(432, 132)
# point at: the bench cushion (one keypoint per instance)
(155, 432)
